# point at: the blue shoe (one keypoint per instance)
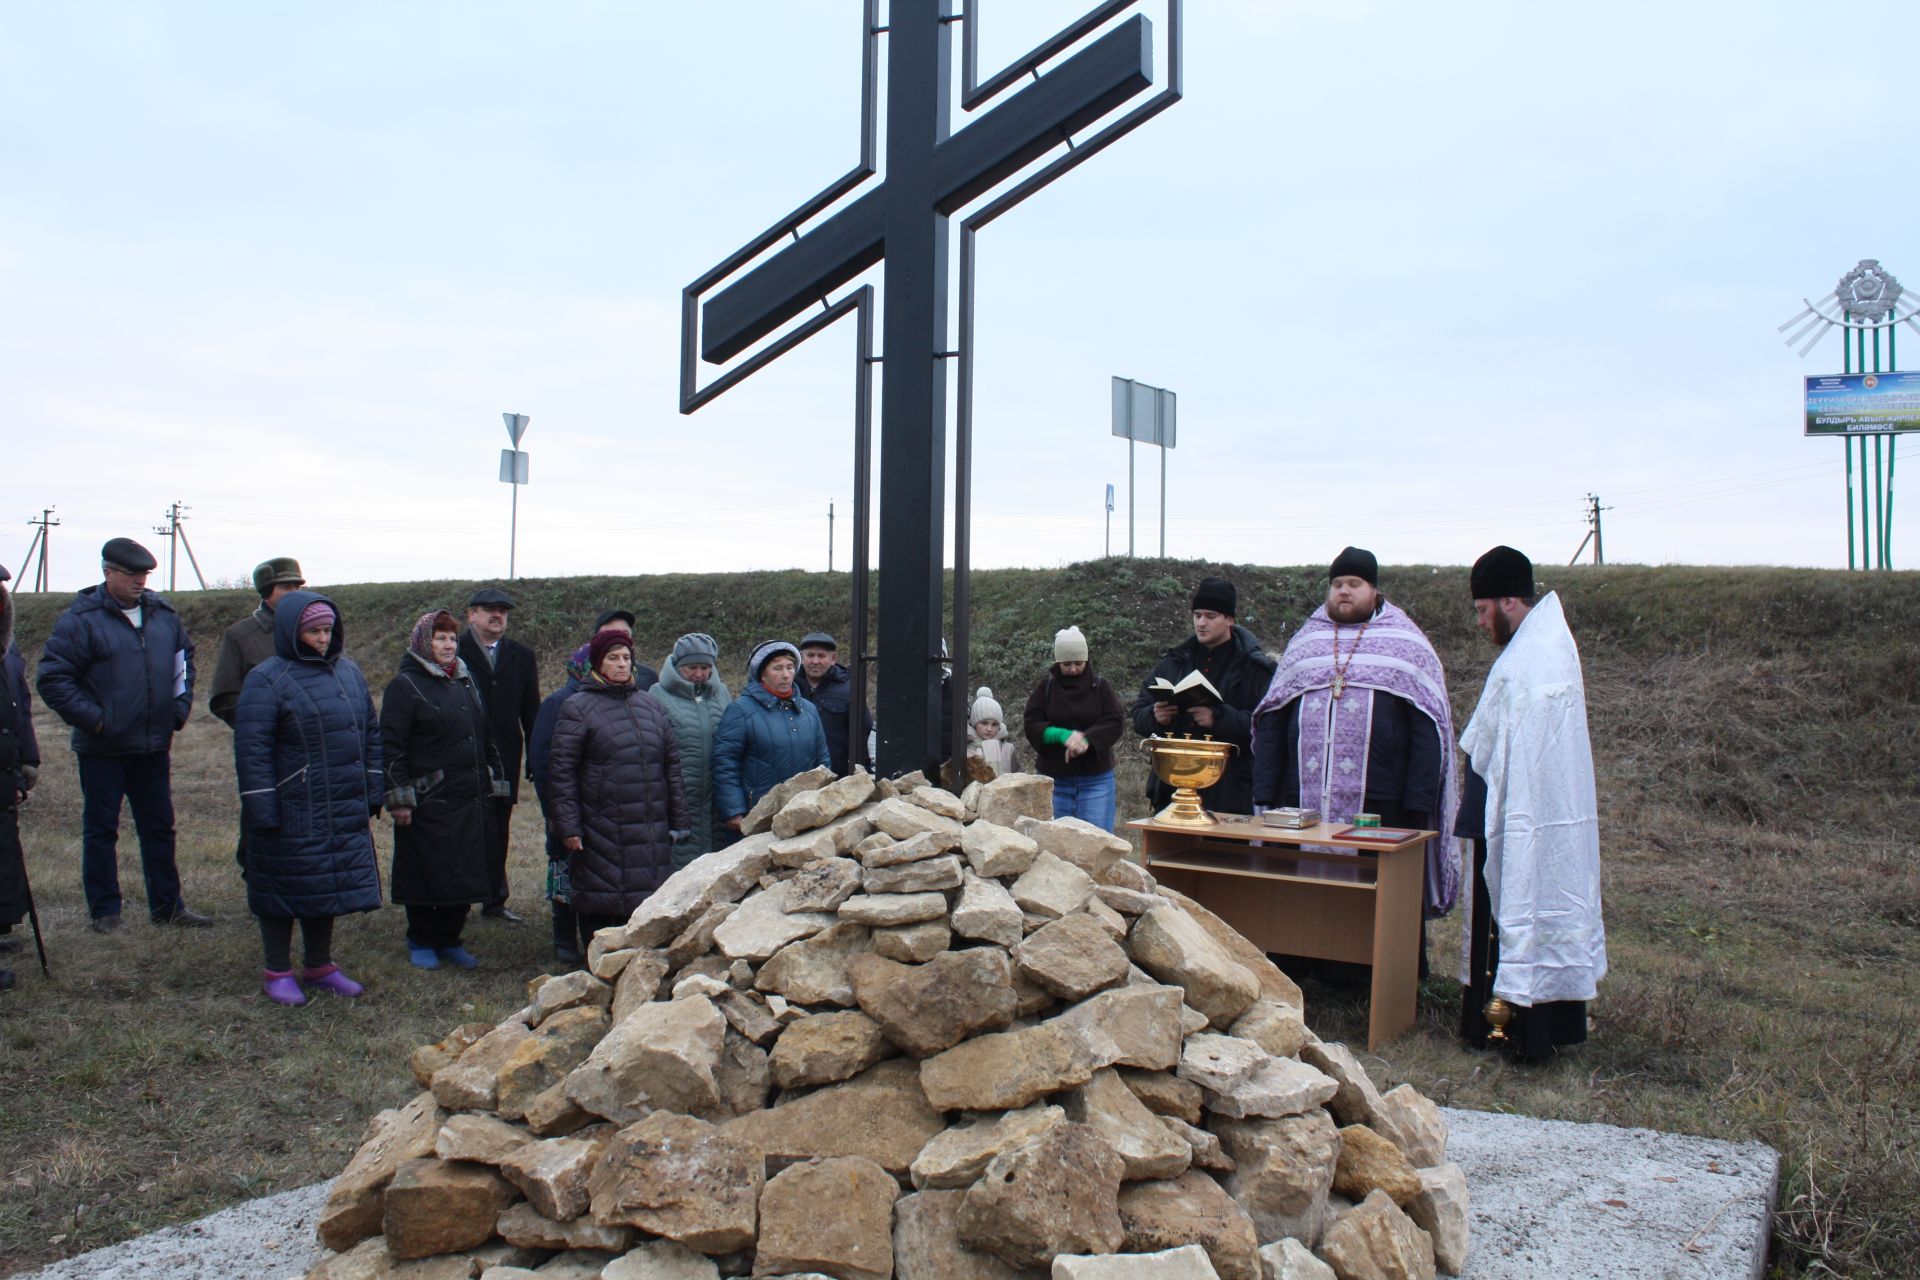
(423, 957)
(458, 957)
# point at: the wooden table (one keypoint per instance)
(1362, 907)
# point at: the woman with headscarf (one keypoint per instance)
(443, 774)
(619, 804)
(1073, 719)
(306, 752)
(768, 734)
(695, 698)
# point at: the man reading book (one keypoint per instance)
(1233, 670)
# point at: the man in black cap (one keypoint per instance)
(825, 683)
(508, 677)
(245, 645)
(19, 770)
(1537, 946)
(119, 669)
(1231, 659)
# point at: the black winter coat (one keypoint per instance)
(1085, 702)
(833, 699)
(510, 691)
(614, 779)
(306, 751)
(441, 764)
(19, 761)
(126, 690)
(1241, 670)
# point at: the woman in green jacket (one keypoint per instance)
(694, 697)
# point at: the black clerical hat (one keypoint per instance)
(1500, 573)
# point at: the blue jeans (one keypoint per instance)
(1089, 797)
(146, 783)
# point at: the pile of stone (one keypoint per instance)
(896, 1032)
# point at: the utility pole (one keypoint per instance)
(829, 537)
(1593, 531)
(41, 573)
(177, 538)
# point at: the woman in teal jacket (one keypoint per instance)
(768, 734)
(695, 699)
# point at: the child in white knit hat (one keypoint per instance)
(987, 734)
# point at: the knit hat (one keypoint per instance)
(269, 574)
(694, 647)
(1069, 646)
(771, 649)
(317, 614)
(984, 707)
(605, 641)
(1218, 595)
(1355, 562)
(1500, 573)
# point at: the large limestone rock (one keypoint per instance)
(471, 1081)
(1136, 1026)
(662, 1058)
(993, 850)
(1058, 1193)
(1172, 946)
(1092, 849)
(1072, 957)
(1052, 887)
(357, 1200)
(679, 1177)
(842, 835)
(1278, 1028)
(724, 875)
(1146, 1147)
(569, 991)
(1278, 1087)
(930, 1007)
(661, 1260)
(527, 1227)
(823, 885)
(927, 1244)
(1375, 1241)
(827, 1047)
(1288, 1259)
(640, 980)
(814, 972)
(438, 1206)
(537, 1063)
(832, 1216)
(480, 1139)
(371, 1260)
(902, 819)
(1188, 1262)
(810, 809)
(956, 1157)
(925, 876)
(429, 1058)
(760, 818)
(1356, 1100)
(1007, 1069)
(881, 1114)
(552, 1175)
(763, 925)
(913, 943)
(1283, 1172)
(1415, 1125)
(940, 801)
(1166, 1094)
(1191, 1209)
(986, 911)
(1012, 796)
(1274, 985)
(878, 910)
(1369, 1163)
(1440, 1210)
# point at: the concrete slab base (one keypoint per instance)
(1548, 1198)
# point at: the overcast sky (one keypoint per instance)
(1422, 275)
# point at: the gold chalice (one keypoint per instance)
(1189, 765)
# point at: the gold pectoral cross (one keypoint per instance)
(1339, 687)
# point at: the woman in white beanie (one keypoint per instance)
(1073, 719)
(987, 734)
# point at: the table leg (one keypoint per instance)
(1396, 944)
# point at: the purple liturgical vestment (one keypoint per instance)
(1394, 657)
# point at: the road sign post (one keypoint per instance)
(1146, 414)
(513, 471)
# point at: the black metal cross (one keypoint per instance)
(931, 173)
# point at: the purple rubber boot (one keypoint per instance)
(281, 988)
(329, 978)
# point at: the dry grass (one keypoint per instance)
(1754, 732)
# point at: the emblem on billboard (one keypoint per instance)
(1867, 292)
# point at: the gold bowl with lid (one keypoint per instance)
(1189, 765)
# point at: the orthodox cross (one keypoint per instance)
(902, 222)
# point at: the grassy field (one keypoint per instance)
(1755, 733)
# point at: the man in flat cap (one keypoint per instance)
(119, 669)
(19, 769)
(825, 682)
(1231, 659)
(1536, 945)
(508, 678)
(1357, 721)
(245, 645)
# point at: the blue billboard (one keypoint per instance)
(1855, 404)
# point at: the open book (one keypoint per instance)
(1193, 690)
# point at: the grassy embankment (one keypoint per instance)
(1755, 732)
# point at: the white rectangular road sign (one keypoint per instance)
(513, 467)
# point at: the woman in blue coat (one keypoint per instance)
(306, 749)
(768, 734)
